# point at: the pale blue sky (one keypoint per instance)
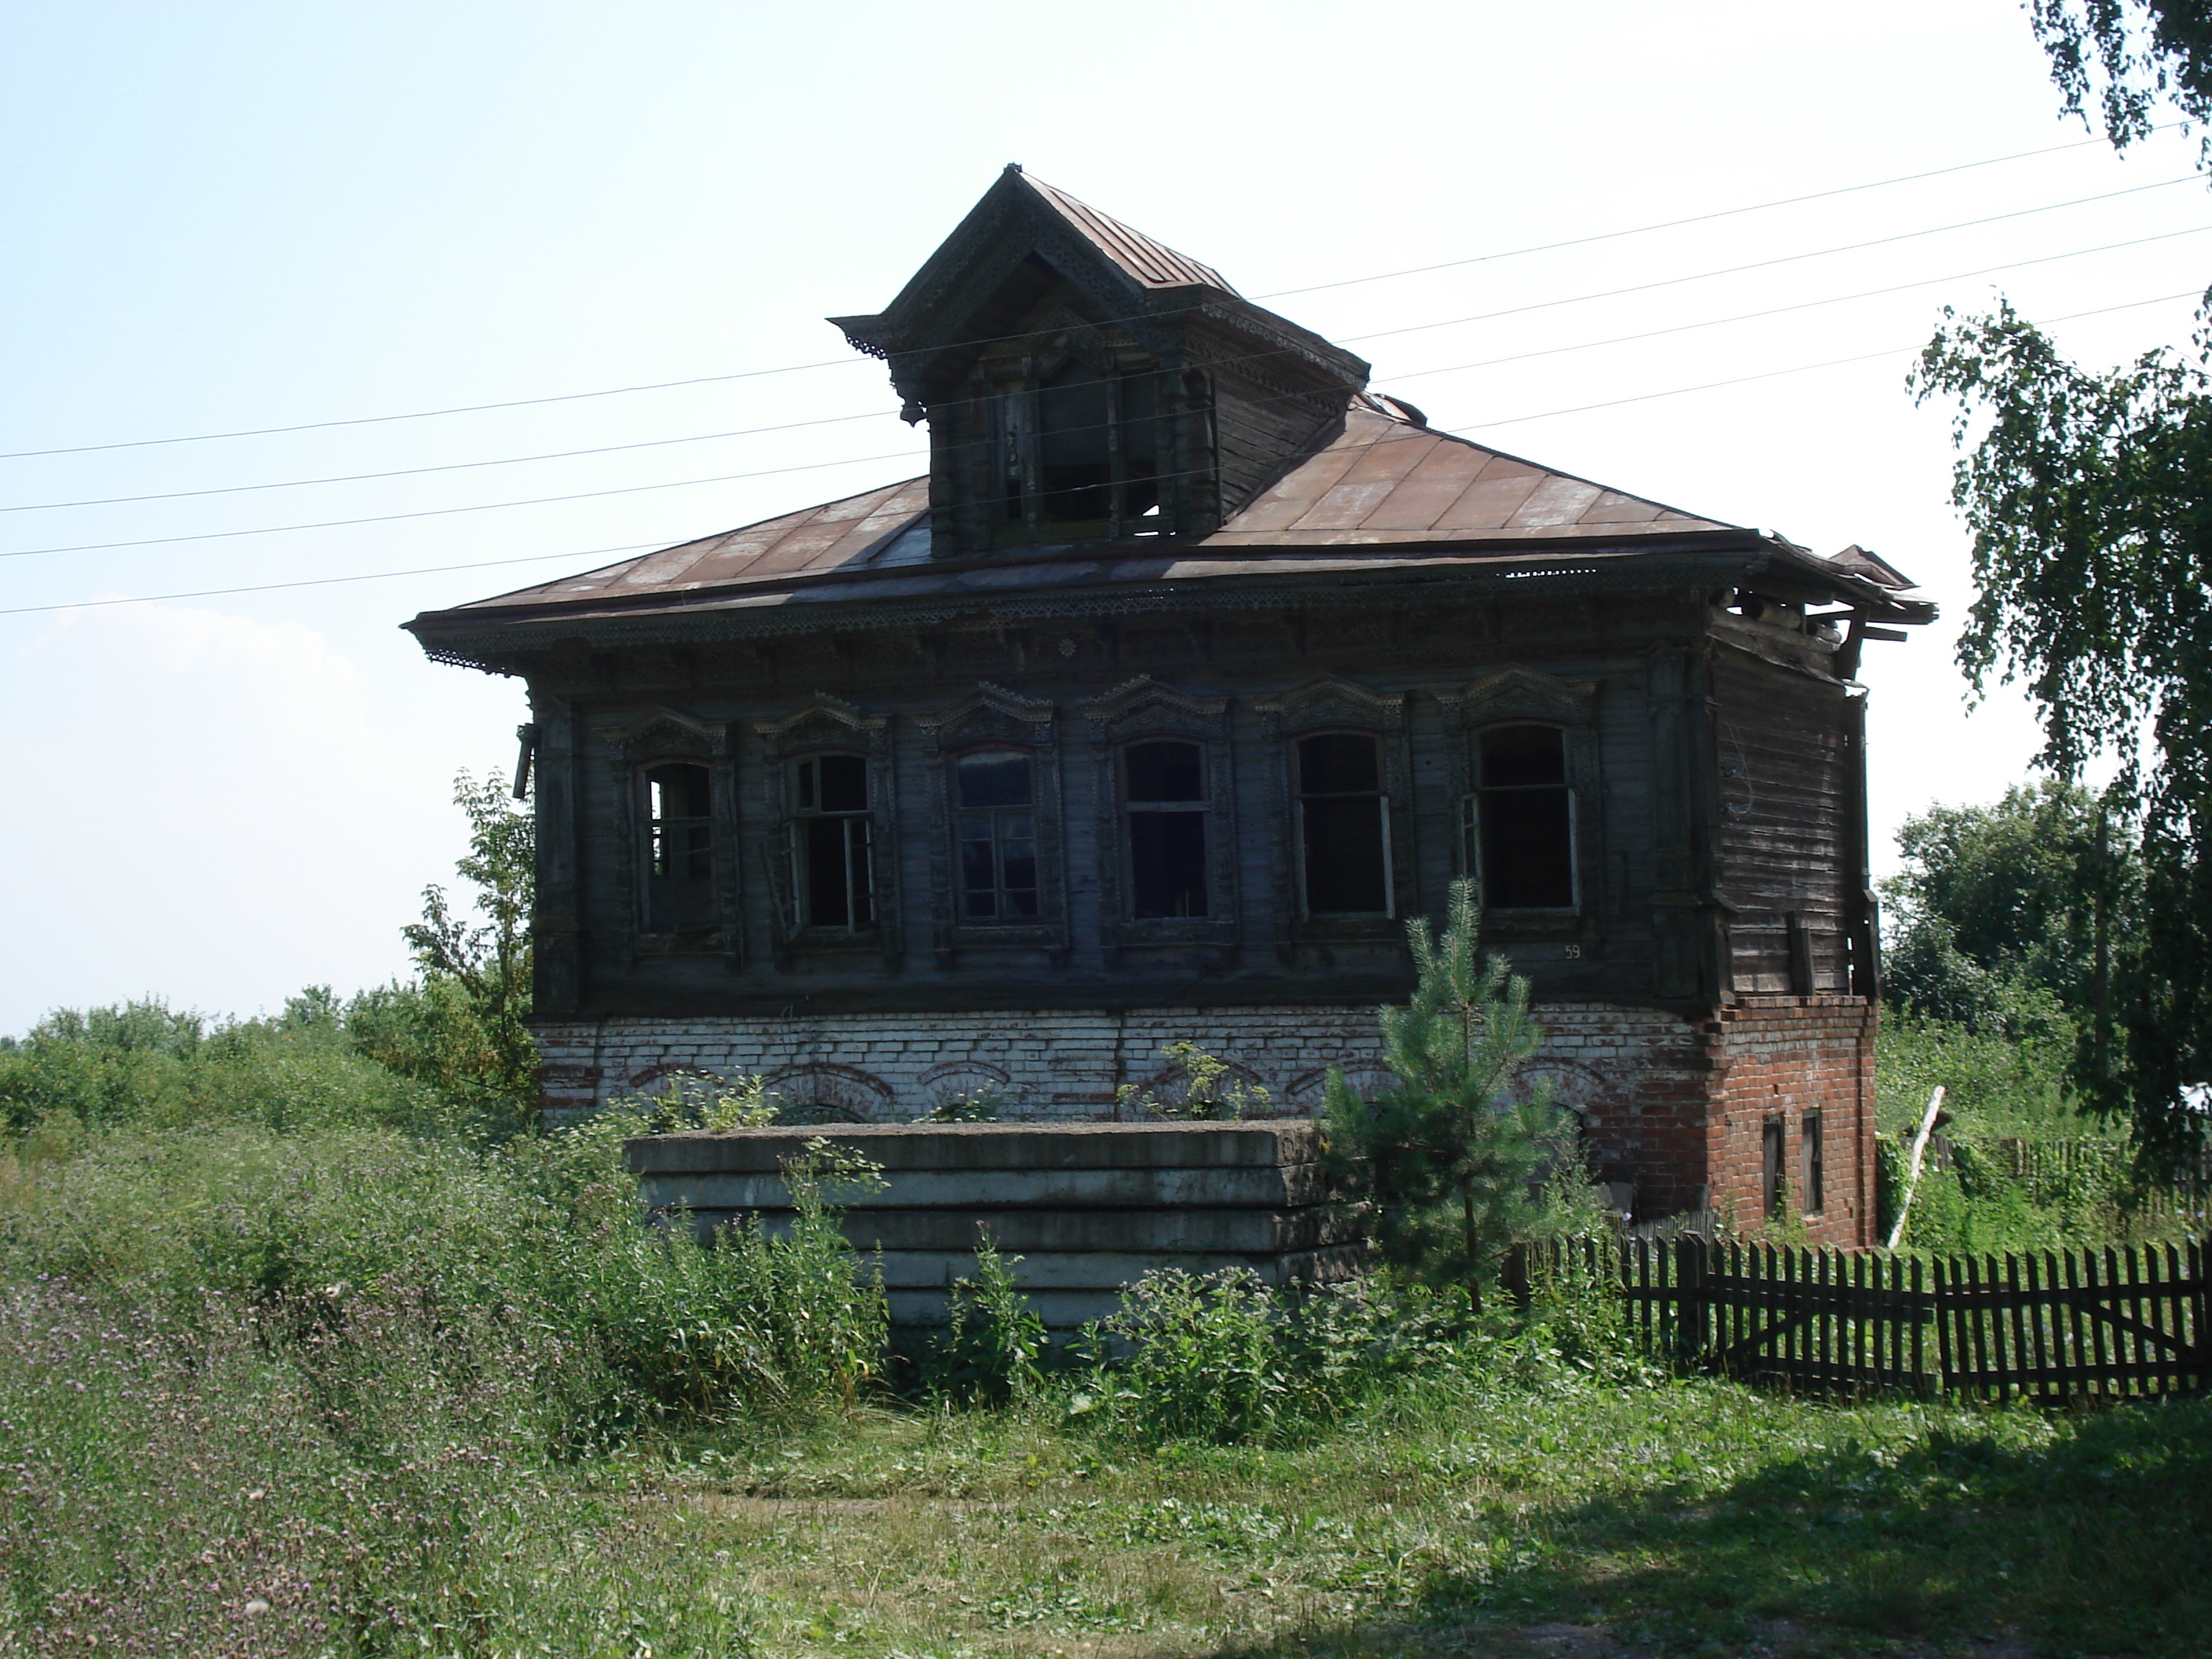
(223, 217)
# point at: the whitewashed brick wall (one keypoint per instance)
(1603, 1058)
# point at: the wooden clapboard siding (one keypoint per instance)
(1785, 788)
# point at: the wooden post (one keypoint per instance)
(1919, 1152)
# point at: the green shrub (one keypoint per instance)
(1225, 1358)
(748, 1324)
(146, 1065)
(994, 1341)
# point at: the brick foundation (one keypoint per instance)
(1674, 1106)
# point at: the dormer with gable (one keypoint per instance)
(1189, 674)
(1084, 383)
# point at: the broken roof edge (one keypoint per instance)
(498, 645)
(1628, 560)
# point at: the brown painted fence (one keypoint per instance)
(2046, 1326)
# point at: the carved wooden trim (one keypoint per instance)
(992, 716)
(1133, 711)
(1515, 695)
(664, 734)
(1332, 703)
(830, 724)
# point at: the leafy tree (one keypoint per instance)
(2129, 57)
(2088, 496)
(463, 1029)
(2012, 920)
(1453, 1156)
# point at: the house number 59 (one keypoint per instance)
(1574, 952)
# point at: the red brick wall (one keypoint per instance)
(1786, 1058)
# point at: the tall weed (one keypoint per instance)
(378, 1487)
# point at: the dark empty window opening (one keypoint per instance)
(679, 849)
(835, 874)
(1525, 820)
(1164, 797)
(1072, 445)
(994, 792)
(1816, 1172)
(1344, 824)
(1097, 453)
(1773, 1185)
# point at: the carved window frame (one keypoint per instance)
(992, 717)
(1515, 695)
(1138, 711)
(831, 725)
(1330, 703)
(664, 737)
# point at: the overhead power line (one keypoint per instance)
(1694, 219)
(849, 361)
(1513, 420)
(882, 414)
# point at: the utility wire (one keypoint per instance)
(1803, 305)
(880, 414)
(1695, 219)
(849, 361)
(1513, 419)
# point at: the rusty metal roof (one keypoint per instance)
(1150, 264)
(1383, 480)
(1387, 477)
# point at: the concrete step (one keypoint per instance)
(1226, 1231)
(1032, 1147)
(1280, 1187)
(1108, 1270)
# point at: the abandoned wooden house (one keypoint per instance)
(1189, 672)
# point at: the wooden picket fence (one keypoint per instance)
(2047, 1326)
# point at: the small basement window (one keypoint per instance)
(1772, 1182)
(1522, 820)
(995, 824)
(1816, 1172)
(835, 875)
(1344, 824)
(1164, 800)
(679, 848)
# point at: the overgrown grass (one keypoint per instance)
(280, 1378)
(2019, 1168)
(1474, 1513)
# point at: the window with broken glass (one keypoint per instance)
(1080, 456)
(994, 820)
(679, 860)
(1164, 810)
(832, 842)
(1520, 822)
(1344, 825)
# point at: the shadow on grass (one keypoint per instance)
(2099, 1542)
